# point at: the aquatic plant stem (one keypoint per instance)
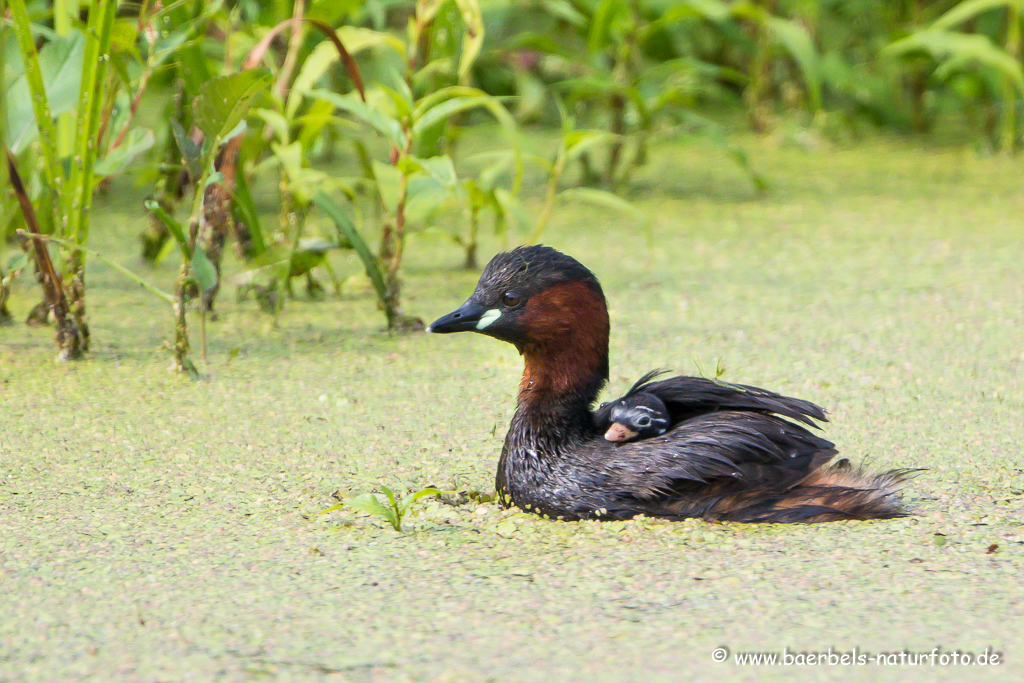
(67, 244)
(69, 337)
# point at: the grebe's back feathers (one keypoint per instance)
(687, 397)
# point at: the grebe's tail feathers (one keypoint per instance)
(838, 492)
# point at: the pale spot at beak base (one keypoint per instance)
(488, 318)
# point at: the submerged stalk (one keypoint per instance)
(68, 336)
(474, 227)
(392, 249)
(98, 39)
(552, 191)
(113, 264)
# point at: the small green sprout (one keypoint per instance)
(396, 509)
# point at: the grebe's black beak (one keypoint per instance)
(469, 317)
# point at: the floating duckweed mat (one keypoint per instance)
(155, 528)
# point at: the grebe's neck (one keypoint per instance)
(566, 354)
(558, 387)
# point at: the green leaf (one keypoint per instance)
(190, 151)
(244, 211)
(323, 56)
(489, 175)
(305, 259)
(204, 270)
(347, 228)
(290, 157)
(601, 24)
(224, 101)
(170, 45)
(402, 100)
(190, 58)
(390, 128)
(714, 11)
(425, 199)
(173, 226)
(426, 10)
(277, 122)
(313, 122)
(413, 497)
(408, 165)
(358, 39)
(393, 514)
(425, 118)
(119, 63)
(274, 255)
(748, 10)
(594, 85)
(60, 64)
(513, 208)
(213, 179)
(124, 36)
(40, 104)
(565, 10)
(444, 103)
(798, 43)
(18, 261)
(474, 38)
(539, 42)
(959, 51)
(968, 9)
(579, 141)
(391, 496)
(600, 198)
(119, 159)
(389, 183)
(367, 502)
(440, 168)
(333, 11)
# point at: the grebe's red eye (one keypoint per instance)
(510, 299)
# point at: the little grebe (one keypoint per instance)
(728, 455)
(637, 415)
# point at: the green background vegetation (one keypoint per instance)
(824, 199)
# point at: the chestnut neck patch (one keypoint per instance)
(565, 347)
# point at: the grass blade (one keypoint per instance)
(348, 229)
(90, 101)
(41, 106)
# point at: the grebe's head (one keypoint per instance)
(637, 416)
(533, 296)
(553, 310)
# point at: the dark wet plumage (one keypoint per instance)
(733, 452)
